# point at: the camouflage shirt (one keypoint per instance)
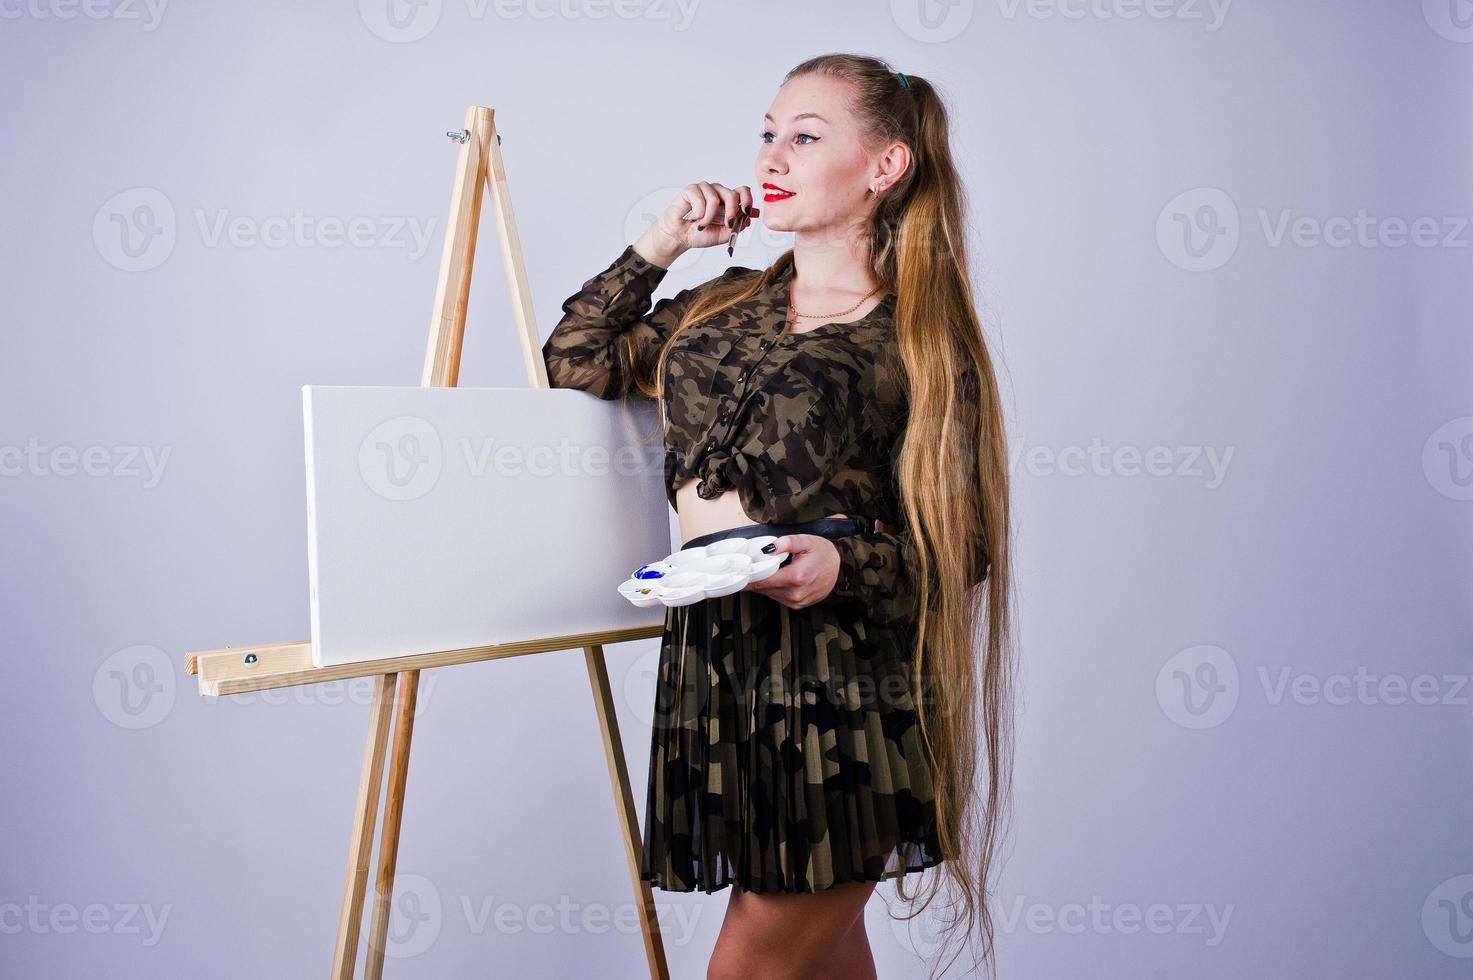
(800, 425)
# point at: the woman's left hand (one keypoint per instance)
(809, 574)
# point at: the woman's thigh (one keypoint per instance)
(782, 934)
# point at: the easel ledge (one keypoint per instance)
(231, 670)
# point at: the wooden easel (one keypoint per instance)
(235, 670)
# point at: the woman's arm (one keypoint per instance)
(609, 335)
(880, 569)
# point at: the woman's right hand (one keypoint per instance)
(701, 216)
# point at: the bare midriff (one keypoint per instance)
(701, 516)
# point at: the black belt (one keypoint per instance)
(828, 527)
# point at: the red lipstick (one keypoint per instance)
(775, 193)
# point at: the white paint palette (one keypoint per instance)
(703, 572)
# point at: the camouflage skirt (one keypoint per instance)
(785, 755)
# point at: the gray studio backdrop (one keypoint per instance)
(1225, 254)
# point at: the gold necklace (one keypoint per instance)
(793, 310)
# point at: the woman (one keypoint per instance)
(820, 730)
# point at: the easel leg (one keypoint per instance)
(360, 848)
(388, 848)
(603, 701)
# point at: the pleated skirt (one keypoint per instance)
(785, 754)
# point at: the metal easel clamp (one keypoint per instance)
(465, 134)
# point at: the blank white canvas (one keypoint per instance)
(440, 518)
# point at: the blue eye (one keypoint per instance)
(809, 136)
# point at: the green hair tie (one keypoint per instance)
(903, 80)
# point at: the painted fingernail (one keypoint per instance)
(769, 548)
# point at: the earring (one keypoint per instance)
(873, 189)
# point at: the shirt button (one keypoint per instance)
(741, 377)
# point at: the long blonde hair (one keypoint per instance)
(953, 478)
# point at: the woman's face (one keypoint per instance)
(811, 152)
